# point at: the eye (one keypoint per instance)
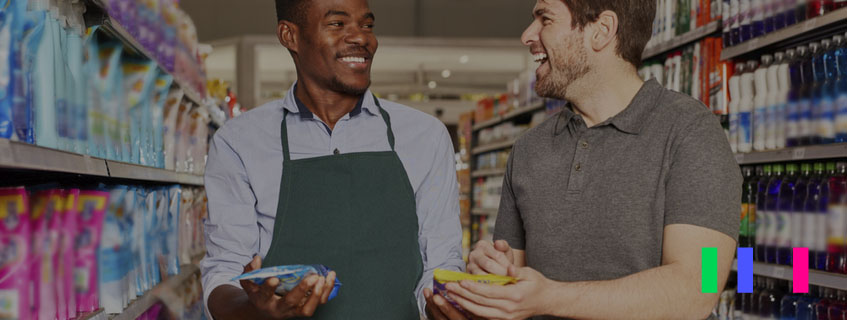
(546, 21)
(369, 26)
(336, 24)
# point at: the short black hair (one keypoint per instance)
(292, 10)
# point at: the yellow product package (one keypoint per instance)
(442, 277)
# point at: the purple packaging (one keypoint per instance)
(91, 208)
(46, 205)
(14, 254)
(67, 256)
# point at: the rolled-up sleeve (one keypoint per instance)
(438, 215)
(232, 231)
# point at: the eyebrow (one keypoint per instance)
(336, 13)
(540, 12)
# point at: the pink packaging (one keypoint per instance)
(91, 209)
(67, 256)
(14, 254)
(46, 206)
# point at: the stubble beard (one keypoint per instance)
(564, 73)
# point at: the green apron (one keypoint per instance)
(354, 213)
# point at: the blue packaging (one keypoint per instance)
(171, 225)
(114, 254)
(162, 88)
(21, 106)
(110, 93)
(289, 276)
(138, 81)
(7, 16)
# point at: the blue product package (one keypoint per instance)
(44, 91)
(109, 89)
(115, 252)
(138, 80)
(289, 276)
(157, 145)
(21, 106)
(171, 223)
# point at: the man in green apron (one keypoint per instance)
(330, 175)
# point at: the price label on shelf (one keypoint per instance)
(798, 154)
(810, 24)
(778, 272)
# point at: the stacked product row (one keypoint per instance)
(695, 70)
(676, 17)
(748, 19)
(802, 206)
(793, 98)
(68, 251)
(773, 299)
(78, 91)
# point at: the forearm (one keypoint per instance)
(231, 302)
(666, 292)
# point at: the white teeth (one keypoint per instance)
(353, 59)
(539, 57)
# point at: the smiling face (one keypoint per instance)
(336, 45)
(558, 47)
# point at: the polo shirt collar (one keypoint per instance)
(633, 119)
(294, 106)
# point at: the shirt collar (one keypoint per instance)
(632, 119)
(293, 105)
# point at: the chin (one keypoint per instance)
(353, 88)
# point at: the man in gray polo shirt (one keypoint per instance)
(606, 207)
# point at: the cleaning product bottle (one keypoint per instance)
(748, 206)
(736, 17)
(757, 8)
(726, 23)
(762, 213)
(811, 211)
(792, 111)
(839, 87)
(799, 214)
(818, 77)
(734, 105)
(805, 101)
(745, 109)
(760, 104)
(790, 187)
(822, 218)
(746, 15)
(836, 231)
(778, 14)
(801, 9)
(784, 79)
(772, 218)
(773, 120)
(826, 92)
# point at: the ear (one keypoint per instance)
(287, 33)
(605, 30)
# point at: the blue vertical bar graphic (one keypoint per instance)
(745, 270)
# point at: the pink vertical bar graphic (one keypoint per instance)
(801, 270)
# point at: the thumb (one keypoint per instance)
(254, 264)
(502, 246)
(518, 273)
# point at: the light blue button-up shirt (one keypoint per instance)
(245, 167)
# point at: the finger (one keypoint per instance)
(447, 309)
(503, 246)
(254, 264)
(455, 289)
(268, 288)
(474, 269)
(329, 286)
(295, 297)
(498, 256)
(249, 286)
(311, 304)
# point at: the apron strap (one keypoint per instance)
(284, 134)
(284, 129)
(387, 122)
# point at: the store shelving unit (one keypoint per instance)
(508, 116)
(682, 40)
(807, 153)
(21, 156)
(488, 173)
(799, 32)
(484, 211)
(96, 315)
(493, 147)
(160, 293)
(816, 278)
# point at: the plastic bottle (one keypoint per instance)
(726, 23)
(762, 213)
(734, 105)
(828, 297)
(735, 27)
(745, 109)
(800, 10)
(817, 8)
(822, 116)
(760, 103)
(788, 304)
(838, 4)
(806, 305)
(840, 87)
(822, 218)
(778, 14)
(745, 13)
(772, 206)
(793, 132)
(836, 226)
(808, 222)
(757, 8)
(748, 207)
(806, 82)
(769, 7)
(803, 193)
(826, 92)
(772, 121)
(784, 79)
(791, 184)
(838, 308)
(767, 304)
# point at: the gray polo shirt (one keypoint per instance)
(591, 203)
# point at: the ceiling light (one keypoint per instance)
(446, 73)
(433, 85)
(464, 59)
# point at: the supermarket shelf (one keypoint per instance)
(493, 146)
(828, 151)
(681, 40)
(484, 211)
(141, 305)
(113, 28)
(488, 173)
(512, 114)
(22, 156)
(17, 155)
(96, 315)
(833, 19)
(137, 172)
(816, 278)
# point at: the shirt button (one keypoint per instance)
(578, 167)
(336, 152)
(584, 145)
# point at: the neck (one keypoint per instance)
(328, 105)
(604, 92)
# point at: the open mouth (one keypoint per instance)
(540, 57)
(356, 62)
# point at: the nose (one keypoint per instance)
(357, 36)
(530, 35)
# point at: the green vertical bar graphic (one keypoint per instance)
(709, 278)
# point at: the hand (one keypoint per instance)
(491, 258)
(301, 301)
(529, 297)
(438, 308)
